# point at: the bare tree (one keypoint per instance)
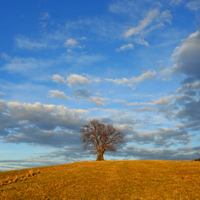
(98, 138)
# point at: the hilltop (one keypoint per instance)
(104, 180)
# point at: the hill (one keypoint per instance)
(105, 180)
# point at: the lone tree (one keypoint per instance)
(98, 138)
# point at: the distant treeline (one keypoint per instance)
(198, 159)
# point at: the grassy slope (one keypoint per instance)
(108, 180)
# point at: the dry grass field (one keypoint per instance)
(105, 180)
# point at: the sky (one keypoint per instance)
(134, 64)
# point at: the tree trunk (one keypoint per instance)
(100, 157)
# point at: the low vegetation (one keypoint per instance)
(18, 177)
(107, 180)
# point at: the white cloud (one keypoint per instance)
(142, 42)
(153, 20)
(123, 81)
(165, 73)
(121, 6)
(44, 16)
(86, 95)
(145, 75)
(58, 79)
(186, 56)
(75, 79)
(88, 59)
(5, 56)
(82, 38)
(119, 100)
(194, 85)
(98, 101)
(150, 95)
(58, 94)
(79, 111)
(189, 125)
(133, 80)
(26, 66)
(194, 5)
(43, 24)
(143, 23)
(177, 2)
(40, 116)
(26, 43)
(1, 93)
(71, 43)
(125, 47)
(14, 105)
(189, 86)
(167, 16)
(160, 102)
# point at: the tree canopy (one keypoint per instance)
(99, 138)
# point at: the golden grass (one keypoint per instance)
(108, 180)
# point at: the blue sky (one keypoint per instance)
(133, 64)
